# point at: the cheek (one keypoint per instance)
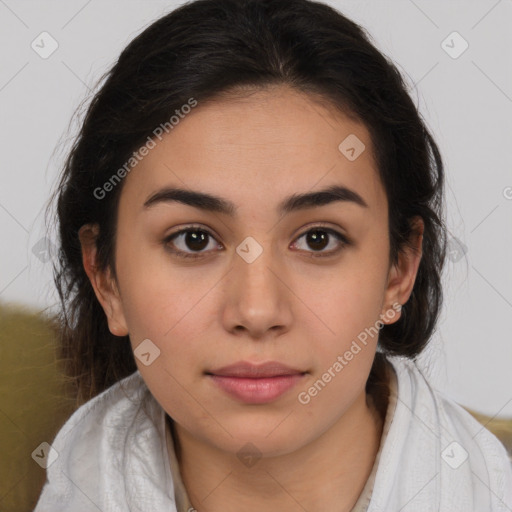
(167, 305)
(348, 348)
(347, 300)
(176, 374)
(157, 294)
(344, 353)
(344, 320)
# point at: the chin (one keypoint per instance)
(266, 437)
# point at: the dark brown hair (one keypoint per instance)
(208, 48)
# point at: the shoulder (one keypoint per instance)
(433, 439)
(105, 417)
(110, 406)
(436, 407)
(414, 384)
(119, 428)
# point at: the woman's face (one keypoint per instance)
(266, 284)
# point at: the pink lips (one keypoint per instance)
(256, 384)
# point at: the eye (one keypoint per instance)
(318, 238)
(193, 242)
(194, 238)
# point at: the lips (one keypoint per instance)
(256, 384)
(248, 370)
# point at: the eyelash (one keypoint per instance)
(182, 254)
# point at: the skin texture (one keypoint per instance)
(285, 306)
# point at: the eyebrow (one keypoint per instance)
(292, 203)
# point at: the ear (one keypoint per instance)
(402, 275)
(104, 284)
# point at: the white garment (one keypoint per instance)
(112, 455)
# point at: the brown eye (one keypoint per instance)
(188, 241)
(193, 242)
(196, 240)
(318, 239)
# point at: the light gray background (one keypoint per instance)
(466, 101)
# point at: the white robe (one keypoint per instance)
(434, 456)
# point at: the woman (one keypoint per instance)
(252, 238)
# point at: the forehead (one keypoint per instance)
(259, 148)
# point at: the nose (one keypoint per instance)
(257, 297)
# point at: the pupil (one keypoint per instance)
(196, 240)
(316, 240)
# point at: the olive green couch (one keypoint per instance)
(33, 404)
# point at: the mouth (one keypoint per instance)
(256, 384)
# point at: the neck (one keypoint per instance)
(326, 474)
